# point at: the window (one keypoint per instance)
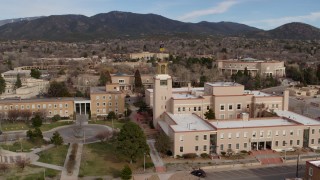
(66, 112)
(110, 104)
(49, 106)
(312, 131)
(197, 138)
(261, 133)
(31, 106)
(221, 147)
(277, 133)
(230, 116)
(55, 105)
(221, 116)
(121, 81)
(291, 132)
(194, 108)
(284, 132)
(204, 137)
(179, 109)
(181, 148)
(163, 82)
(38, 106)
(277, 143)
(284, 143)
(298, 142)
(199, 108)
(230, 107)
(238, 106)
(104, 97)
(205, 148)
(44, 106)
(312, 141)
(254, 134)
(229, 146)
(248, 106)
(104, 104)
(209, 108)
(22, 106)
(221, 136)
(110, 97)
(222, 107)
(60, 105)
(28, 107)
(237, 146)
(245, 134)
(319, 141)
(16, 106)
(196, 148)
(66, 105)
(98, 104)
(237, 135)
(269, 133)
(183, 109)
(245, 145)
(181, 138)
(291, 142)
(310, 171)
(229, 135)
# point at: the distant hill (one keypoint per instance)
(117, 24)
(294, 30)
(6, 21)
(111, 25)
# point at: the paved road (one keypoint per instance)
(265, 173)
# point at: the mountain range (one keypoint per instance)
(117, 24)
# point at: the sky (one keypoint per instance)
(263, 14)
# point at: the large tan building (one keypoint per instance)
(102, 100)
(263, 68)
(238, 124)
(126, 81)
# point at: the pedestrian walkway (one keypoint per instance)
(75, 173)
(267, 157)
(37, 150)
(50, 166)
(156, 159)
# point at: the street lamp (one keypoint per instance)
(144, 162)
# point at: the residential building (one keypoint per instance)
(263, 68)
(312, 170)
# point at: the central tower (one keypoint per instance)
(162, 92)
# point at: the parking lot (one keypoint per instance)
(265, 173)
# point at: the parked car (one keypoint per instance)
(199, 173)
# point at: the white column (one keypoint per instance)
(80, 107)
(85, 108)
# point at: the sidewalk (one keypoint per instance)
(156, 159)
(50, 166)
(75, 173)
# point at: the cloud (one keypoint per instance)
(219, 9)
(271, 23)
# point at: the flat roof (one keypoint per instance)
(227, 84)
(297, 117)
(257, 93)
(183, 89)
(189, 122)
(101, 90)
(224, 124)
(42, 100)
(316, 163)
(184, 96)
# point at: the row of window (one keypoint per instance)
(205, 137)
(255, 134)
(196, 148)
(245, 145)
(230, 107)
(34, 106)
(105, 111)
(105, 97)
(194, 108)
(66, 113)
(104, 104)
(284, 143)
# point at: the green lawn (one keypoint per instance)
(55, 155)
(27, 145)
(100, 159)
(23, 126)
(29, 173)
(116, 123)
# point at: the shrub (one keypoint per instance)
(179, 157)
(223, 153)
(244, 152)
(204, 155)
(126, 173)
(56, 118)
(189, 155)
(149, 165)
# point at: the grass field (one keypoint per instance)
(29, 173)
(23, 126)
(55, 155)
(25, 145)
(116, 123)
(101, 159)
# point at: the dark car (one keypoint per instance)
(0, 132)
(199, 173)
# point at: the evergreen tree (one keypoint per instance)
(105, 78)
(210, 114)
(126, 173)
(131, 142)
(18, 83)
(163, 143)
(111, 115)
(58, 89)
(2, 85)
(56, 139)
(36, 121)
(138, 82)
(35, 73)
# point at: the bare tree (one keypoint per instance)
(22, 163)
(26, 115)
(13, 114)
(4, 167)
